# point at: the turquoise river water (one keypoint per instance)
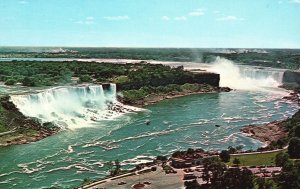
(63, 160)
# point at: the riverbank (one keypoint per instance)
(275, 134)
(153, 99)
(266, 133)
(144, 96)
(134, 98)
(163, 174)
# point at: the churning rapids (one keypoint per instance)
(63, 160)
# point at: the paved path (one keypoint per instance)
(263, 152)
(158, 180)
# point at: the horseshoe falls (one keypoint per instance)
(246, 77)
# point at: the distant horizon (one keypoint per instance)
(121, 47)
(260, 24)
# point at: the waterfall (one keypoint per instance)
(71, 107)
(246, 77)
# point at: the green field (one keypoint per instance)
(255, 159)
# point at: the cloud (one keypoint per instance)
(216, 12)
(166, 18)
(117, 18)
(23, 2)
(88, 21)
(197, 12)
(89, 18)
(180, 18)
(295, 1)
(229, 18)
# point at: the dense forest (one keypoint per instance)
(280, 58)
(127, 76)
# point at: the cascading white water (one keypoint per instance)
(245, 77)
(71, 107)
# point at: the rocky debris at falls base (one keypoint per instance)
(293, 97)
(117, 107)
(24, 129)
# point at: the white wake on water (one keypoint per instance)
(72, 107)
(246, 77)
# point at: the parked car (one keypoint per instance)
(121, 183)
(147, 182)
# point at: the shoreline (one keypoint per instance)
(156, 98)
(272, 132)
(266, 133)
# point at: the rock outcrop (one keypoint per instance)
(291, 79)
(25, 129)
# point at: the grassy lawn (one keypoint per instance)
(255, 159)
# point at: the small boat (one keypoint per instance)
(217, 125)
(148, 122)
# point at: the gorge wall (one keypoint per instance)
(291, 79)
(209, 78)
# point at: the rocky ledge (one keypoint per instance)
(266, 133)
(23, 129)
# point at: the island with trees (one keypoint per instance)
(139, 84)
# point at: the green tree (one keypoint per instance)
(162, 158)
(264, 183)
(85, 78)
(236, 161)
(192, 184)
(110, 166)
(281, 159)
(289, 178)
(117, 167)
(225, 156)
(236, 178)
(213, 171)
(231, 150)
(29, 82)
(297, 131)
(294, 147)
(10, 82)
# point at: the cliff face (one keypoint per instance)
(14, 118)
(21, 129)
(291, 78)
(212, 79)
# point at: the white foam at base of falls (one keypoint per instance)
(246, 77)
(72, 107)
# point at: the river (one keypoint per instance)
(65, 159)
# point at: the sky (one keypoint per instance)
(151, 23)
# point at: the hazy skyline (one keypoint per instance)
(151, 23)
